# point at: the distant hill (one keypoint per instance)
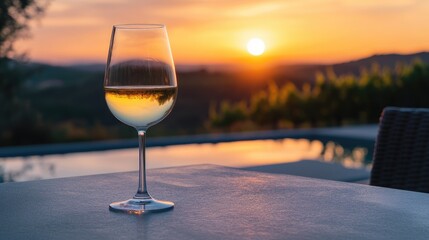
(389, 59)
(303, 73)
(47, 75)
(93, 67)
(297, 73)
(384, 60)
(44, 75)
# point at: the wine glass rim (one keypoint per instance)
(139, 26)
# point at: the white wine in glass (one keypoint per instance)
(140, 89)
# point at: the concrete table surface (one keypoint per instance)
(212, 202)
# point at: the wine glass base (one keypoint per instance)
(139, 206)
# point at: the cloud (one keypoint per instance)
(379, 3)
(200, 12)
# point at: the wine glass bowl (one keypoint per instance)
(140, 107)
(140, 90)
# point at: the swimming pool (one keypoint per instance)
(234, 154)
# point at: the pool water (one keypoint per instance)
(232, 154)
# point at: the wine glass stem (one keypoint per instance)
(142, 190)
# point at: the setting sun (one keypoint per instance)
(256, 46)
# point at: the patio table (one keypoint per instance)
(212, 202)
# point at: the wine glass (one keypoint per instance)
(140, 89)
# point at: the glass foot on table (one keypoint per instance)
(139, 206)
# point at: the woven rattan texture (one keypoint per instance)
(401, 155)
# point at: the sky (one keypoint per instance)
(217, 31)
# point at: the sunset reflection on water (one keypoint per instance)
(232, 154)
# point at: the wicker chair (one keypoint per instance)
(401, 155)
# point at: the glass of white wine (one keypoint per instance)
(140, 89)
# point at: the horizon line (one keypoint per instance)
(228, 65)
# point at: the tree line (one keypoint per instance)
(331, 101)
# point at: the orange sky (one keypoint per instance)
(216, 31)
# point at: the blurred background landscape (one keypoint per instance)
(315, 71)
(66, 103)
